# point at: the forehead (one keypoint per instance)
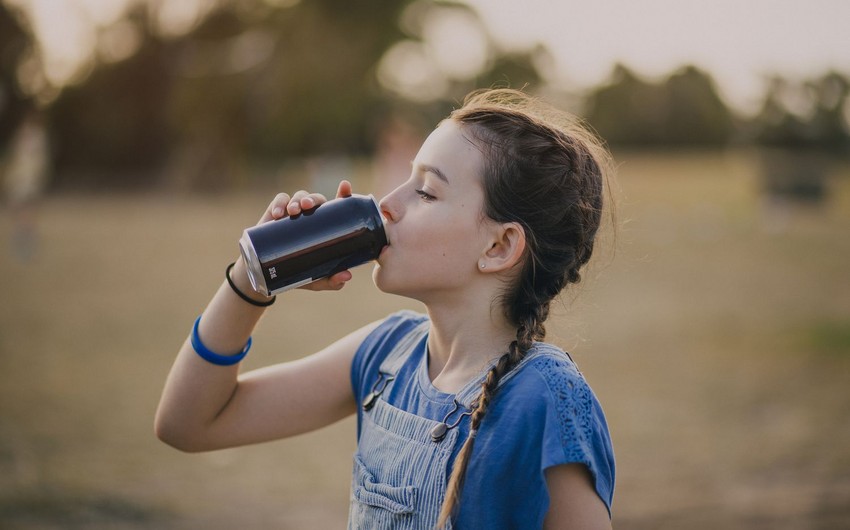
(454, 152)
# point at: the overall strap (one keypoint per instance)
(399, 354)
(393, 362)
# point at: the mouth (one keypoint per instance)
(387, 239)
(383, 253)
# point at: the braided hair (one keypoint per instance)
(545, 171)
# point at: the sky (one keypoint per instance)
(739, 42)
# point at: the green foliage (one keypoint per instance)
(255, 85)
(243, 85)
(117, 122)
(824, 128)
(829, 337)
(683, 110)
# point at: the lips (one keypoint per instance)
(385, 247)
(387, 237)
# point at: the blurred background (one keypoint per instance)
(139, 137)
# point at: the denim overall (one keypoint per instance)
(400, 472)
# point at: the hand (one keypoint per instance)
(285, 205)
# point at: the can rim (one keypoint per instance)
(381, 217)
(252, 264)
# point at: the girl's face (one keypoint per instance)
(435, 225)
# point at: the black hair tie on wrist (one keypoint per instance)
(242, 295)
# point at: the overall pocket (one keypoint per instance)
(366, 490)
(399, 478)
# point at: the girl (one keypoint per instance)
(465, 420)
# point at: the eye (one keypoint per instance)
(427, 197)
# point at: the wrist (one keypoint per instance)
(237, 277)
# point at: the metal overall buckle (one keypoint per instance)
(442, 429)
(372, 397)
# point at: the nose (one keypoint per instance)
(389, 206)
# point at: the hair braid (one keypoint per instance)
(517, 350)
(546, 172)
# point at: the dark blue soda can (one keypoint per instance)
(294, 251)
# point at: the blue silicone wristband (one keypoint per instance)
(212, 357)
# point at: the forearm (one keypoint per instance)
(204, 406)
(197, 391)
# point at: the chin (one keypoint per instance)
(379, 278)
(387, 284)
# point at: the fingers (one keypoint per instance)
(333, 283)
(344, 189)
(285, 205)
(302, 201)
(276, 208)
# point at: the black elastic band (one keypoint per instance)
(242, 295)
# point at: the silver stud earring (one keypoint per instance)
(482, 265)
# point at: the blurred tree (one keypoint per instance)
(249, 82)
(797, 148)
(824, 127)
(15, 42)
(317, 92)
(695, 113)
(774, 124)
(683, 111)
(510, 70)
(832, 111)
(112, 131)
(515, 70)
(628, 110)
(256, 81)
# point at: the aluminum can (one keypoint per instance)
(294, 251)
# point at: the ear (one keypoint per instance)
(506, 248)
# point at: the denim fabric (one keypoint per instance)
(543, 415)
(400, 474)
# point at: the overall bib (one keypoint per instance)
(400, 472)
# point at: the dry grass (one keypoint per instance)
(716, 340)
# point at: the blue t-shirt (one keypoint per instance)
(544, 415)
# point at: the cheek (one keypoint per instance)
(441, 239)
(450, 249)
(439, 236)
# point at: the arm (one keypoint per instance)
(206, 406)
(573, 502)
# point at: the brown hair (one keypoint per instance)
(546, 171)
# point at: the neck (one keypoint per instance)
(463, 340)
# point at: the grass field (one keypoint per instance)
(717, 337)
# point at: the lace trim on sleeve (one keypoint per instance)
(574, 405)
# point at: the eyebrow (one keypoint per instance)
(431, 169)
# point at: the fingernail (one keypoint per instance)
(277, 212)
(309, 202)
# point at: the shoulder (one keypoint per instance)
(567, 396)
(576, 430)
(549, 374)
(544, 415)
(379, 343)
(390, 330)
(553, 395)
(559, 375)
